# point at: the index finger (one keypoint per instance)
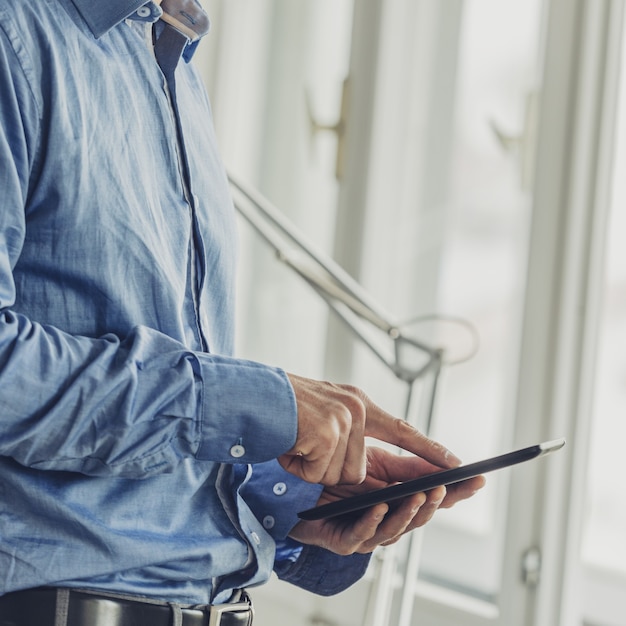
(382, 426)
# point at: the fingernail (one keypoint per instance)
(453, 458)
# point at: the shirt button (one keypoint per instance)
(268, 522)
(279, 489)
(237, 451)
(144, 11)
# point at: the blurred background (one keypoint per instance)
(464, 161)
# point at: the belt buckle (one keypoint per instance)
(219, 610)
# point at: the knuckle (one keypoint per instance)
(340, 413)
(357, 410)
(404, 429)
(356, 396)
(352, 390)
(353, 476)
(333, 430)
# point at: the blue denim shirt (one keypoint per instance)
(136, 454)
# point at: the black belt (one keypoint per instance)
(39, 607)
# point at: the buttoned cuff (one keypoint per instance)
(275, 496)
(249, 412)
(322, 572)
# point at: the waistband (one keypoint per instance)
(51, 606)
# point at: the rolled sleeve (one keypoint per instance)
(249, 412)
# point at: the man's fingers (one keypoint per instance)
(463, 490)
(384, 427)
(330, 443)
(333, 422)
(387, 467)
(433, 501)
(335, 455)
(354, 468)
(396, 523)
(363, 531)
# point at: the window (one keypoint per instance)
(448, 236)
(448, 221)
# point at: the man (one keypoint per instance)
(143, 469)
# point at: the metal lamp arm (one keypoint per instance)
(327, 278)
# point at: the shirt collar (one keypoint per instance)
(101, 16)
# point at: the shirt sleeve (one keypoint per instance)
(130, 406)
(322, 572)
(133, 408)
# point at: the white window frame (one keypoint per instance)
(585, 46)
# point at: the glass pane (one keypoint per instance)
(305, 49)
(483, 271)
(461, 252)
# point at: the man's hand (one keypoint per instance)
(333, 421)
(379, 525)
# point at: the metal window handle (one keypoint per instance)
(338, 128)
(522, 144)
(531, 566)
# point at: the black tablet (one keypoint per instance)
(429, 481)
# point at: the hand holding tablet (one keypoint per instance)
(429, 481)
